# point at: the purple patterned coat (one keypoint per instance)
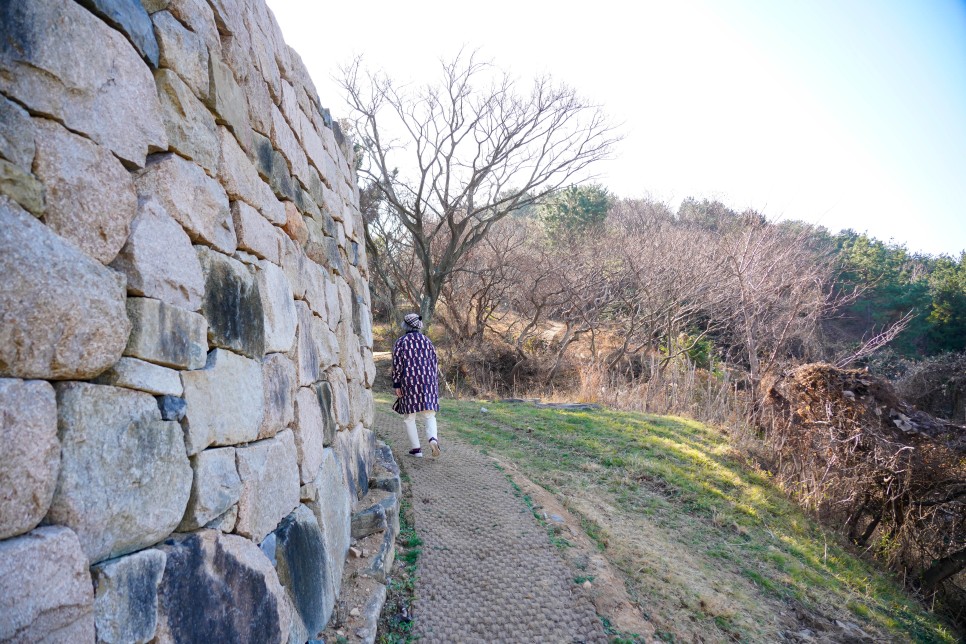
(414, 370)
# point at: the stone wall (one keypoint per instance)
(185, 338)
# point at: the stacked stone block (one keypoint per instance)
(185, 337)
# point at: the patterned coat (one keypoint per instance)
(414, 370)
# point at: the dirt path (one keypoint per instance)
(487, 572)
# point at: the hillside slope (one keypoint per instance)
(709, 549)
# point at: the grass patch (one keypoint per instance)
(712, 547)
(395, 621)
(617, 636)
(596, 533)
(552, 530)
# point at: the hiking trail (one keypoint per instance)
(488, 571)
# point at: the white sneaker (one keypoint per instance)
(416, 453)
(434, 447)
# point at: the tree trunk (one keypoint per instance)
(943, 569)
(569, 337)
(427, 305)
(869, 530)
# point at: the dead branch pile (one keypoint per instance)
(892, 477)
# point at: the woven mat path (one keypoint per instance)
(487, 572)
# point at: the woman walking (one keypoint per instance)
(414, 379)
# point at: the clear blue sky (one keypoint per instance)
(846, 113)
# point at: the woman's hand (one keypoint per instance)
(398, 392)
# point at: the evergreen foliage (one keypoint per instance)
(575, 210)
(897, 281)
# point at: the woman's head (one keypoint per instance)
(413, 322)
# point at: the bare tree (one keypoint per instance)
(878, 339)
(781, 287)
(672, 291)
(453, 158)
(476, 295)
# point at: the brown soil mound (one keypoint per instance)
(818, 393)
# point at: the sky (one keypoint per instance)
(842, 113)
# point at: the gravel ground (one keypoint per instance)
(487, 572)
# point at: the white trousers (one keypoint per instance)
(429, 417)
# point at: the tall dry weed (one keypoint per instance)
(678, 389)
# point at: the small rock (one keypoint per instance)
(852, 630)
(355, 612)
(556, 518)
(21, 186)
(226, 522)
(484, 410)
(354, 552)
(587, 585)
(309, 492)
(172, 408)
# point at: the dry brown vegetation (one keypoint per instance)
(892, 477)
(628, 301)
